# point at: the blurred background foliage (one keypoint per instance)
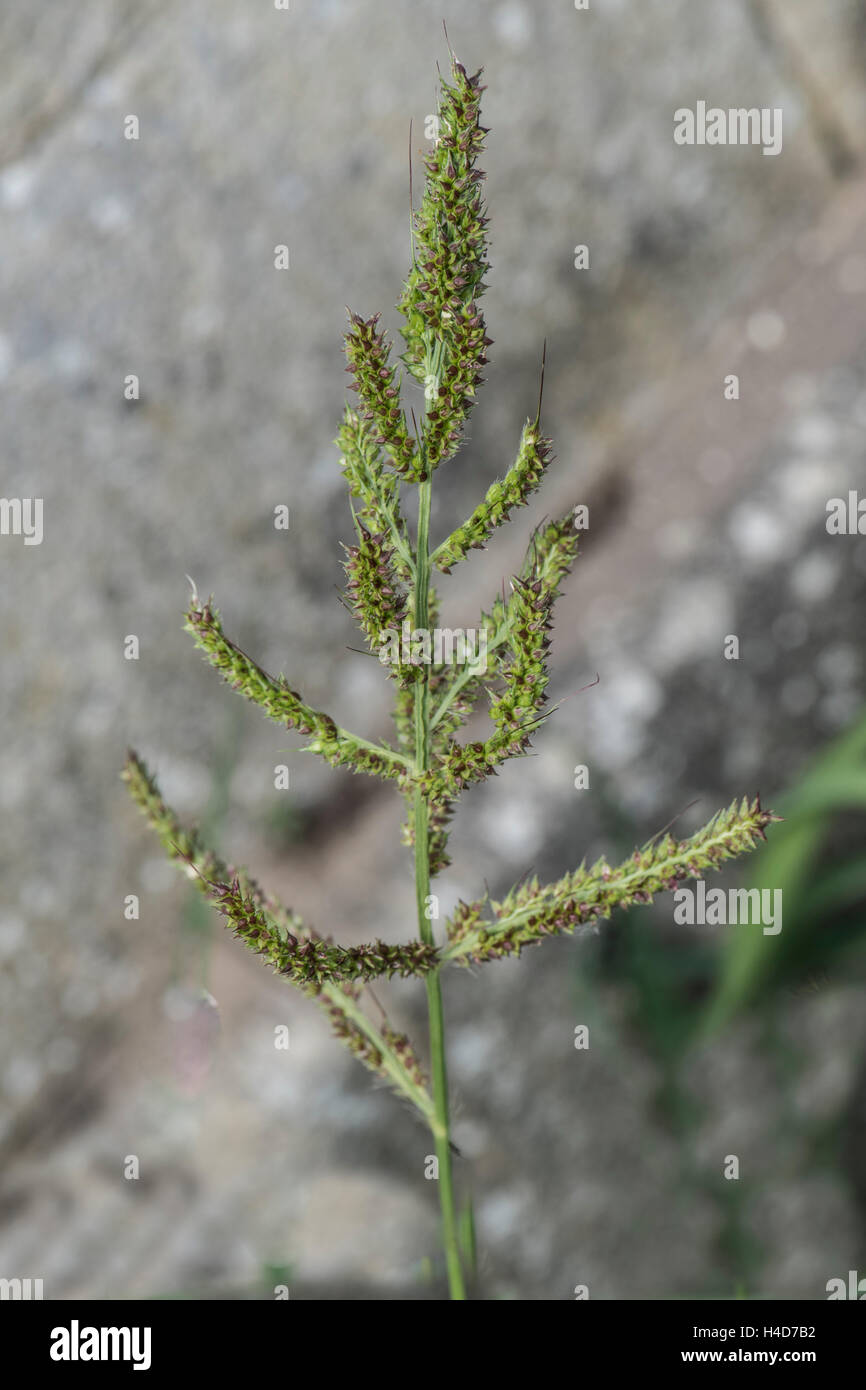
(685, 990)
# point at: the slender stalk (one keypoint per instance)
(441, 1128)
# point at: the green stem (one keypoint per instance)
(441, 1128)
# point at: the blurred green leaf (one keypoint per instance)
(815, 891)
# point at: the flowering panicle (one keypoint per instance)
(514, 490)
(378, 386)
(531, 912)
(388, 570)
(446, 341)
(274, 695)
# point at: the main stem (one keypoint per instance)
(436, 1022)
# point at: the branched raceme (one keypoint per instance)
(514, 490)
(532, 911)
(282, 937)
(377, 383)
(387, 585)
(445, 335)
(373, 589)
(274, 695)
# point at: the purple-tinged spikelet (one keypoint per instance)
(585, 896)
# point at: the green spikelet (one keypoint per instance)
(378, 387)
(514, 490)
(446, 342)
(312, 960)
(373, 591)
(281, 703)
(530, 912)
